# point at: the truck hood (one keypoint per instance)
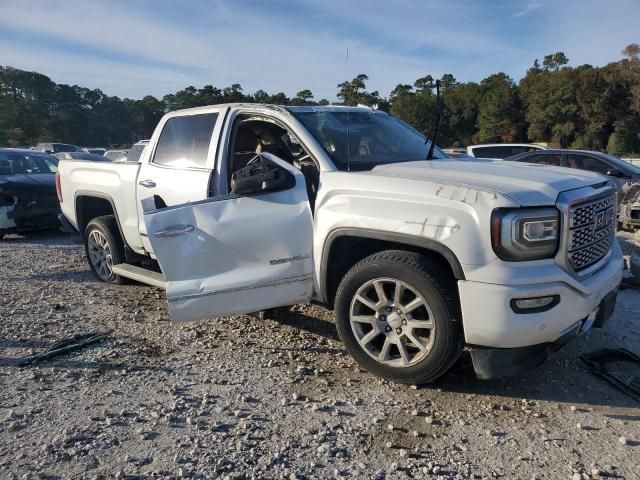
(529, 184)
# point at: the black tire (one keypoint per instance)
(108, 227)
(436, 286)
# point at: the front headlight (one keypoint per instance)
(519, 234)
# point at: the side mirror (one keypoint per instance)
(260, 176)
(614, 172)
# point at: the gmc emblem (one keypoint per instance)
(602, 219)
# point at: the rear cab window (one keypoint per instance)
(185, 140)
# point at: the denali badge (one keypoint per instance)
(278, 261)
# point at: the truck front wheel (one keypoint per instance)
(104, 248)
(398, 315)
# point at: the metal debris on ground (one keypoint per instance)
(77, 342)
(619, 367)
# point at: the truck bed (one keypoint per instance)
(114, 182)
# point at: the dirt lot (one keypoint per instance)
(244, 398)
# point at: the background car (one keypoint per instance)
(629, 215)
(96, 150)
(117, 155)
(500, 151)
(136, 150)
(81, 156)
(28, 199)
(623, 174)
(458, 154)
(57, 147)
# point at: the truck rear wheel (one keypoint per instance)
(398, 315)
(104, 248)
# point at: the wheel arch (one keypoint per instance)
(344, 247)
(89, 205)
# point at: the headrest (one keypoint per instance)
(245, 141)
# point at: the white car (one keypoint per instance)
(250, 207)
(136, 150)
(116, 155)
(500, 151)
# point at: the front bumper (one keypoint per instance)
(491, 363)
(29, 213)
(489, 320)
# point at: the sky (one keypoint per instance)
(132, 48)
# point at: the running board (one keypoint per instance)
(141, 275)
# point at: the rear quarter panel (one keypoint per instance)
(115, 182)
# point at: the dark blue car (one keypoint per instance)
(28, 199)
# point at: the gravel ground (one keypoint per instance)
(278, 398)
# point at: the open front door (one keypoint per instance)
(236, 254)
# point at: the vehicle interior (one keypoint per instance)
(252, 136)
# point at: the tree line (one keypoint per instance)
(588, 107)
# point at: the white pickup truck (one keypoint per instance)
(250, 207)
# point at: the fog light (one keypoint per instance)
(535, 304)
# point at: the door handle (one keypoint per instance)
(174, 231)
(147, 183)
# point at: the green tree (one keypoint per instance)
(303, 97)
(355, 92)
(461, 102)
(415, 105)
(632, 52)
(549, 100)
(499, 115)
(554, 61)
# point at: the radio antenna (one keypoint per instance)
(346, 79)
(436, 123)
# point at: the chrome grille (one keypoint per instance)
(592, 228)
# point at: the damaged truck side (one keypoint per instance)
(251, 207)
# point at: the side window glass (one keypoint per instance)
(184, 141)
(52, 164)
(487, 152)
(583, 162)
(497, 151)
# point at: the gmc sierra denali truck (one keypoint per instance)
(242, 208)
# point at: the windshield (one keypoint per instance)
(12, 163)
(372, 138)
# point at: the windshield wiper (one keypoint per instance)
(437, 124)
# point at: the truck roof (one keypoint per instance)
(278, 108)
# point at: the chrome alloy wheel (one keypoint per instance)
(392, 322)
(100, 254)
